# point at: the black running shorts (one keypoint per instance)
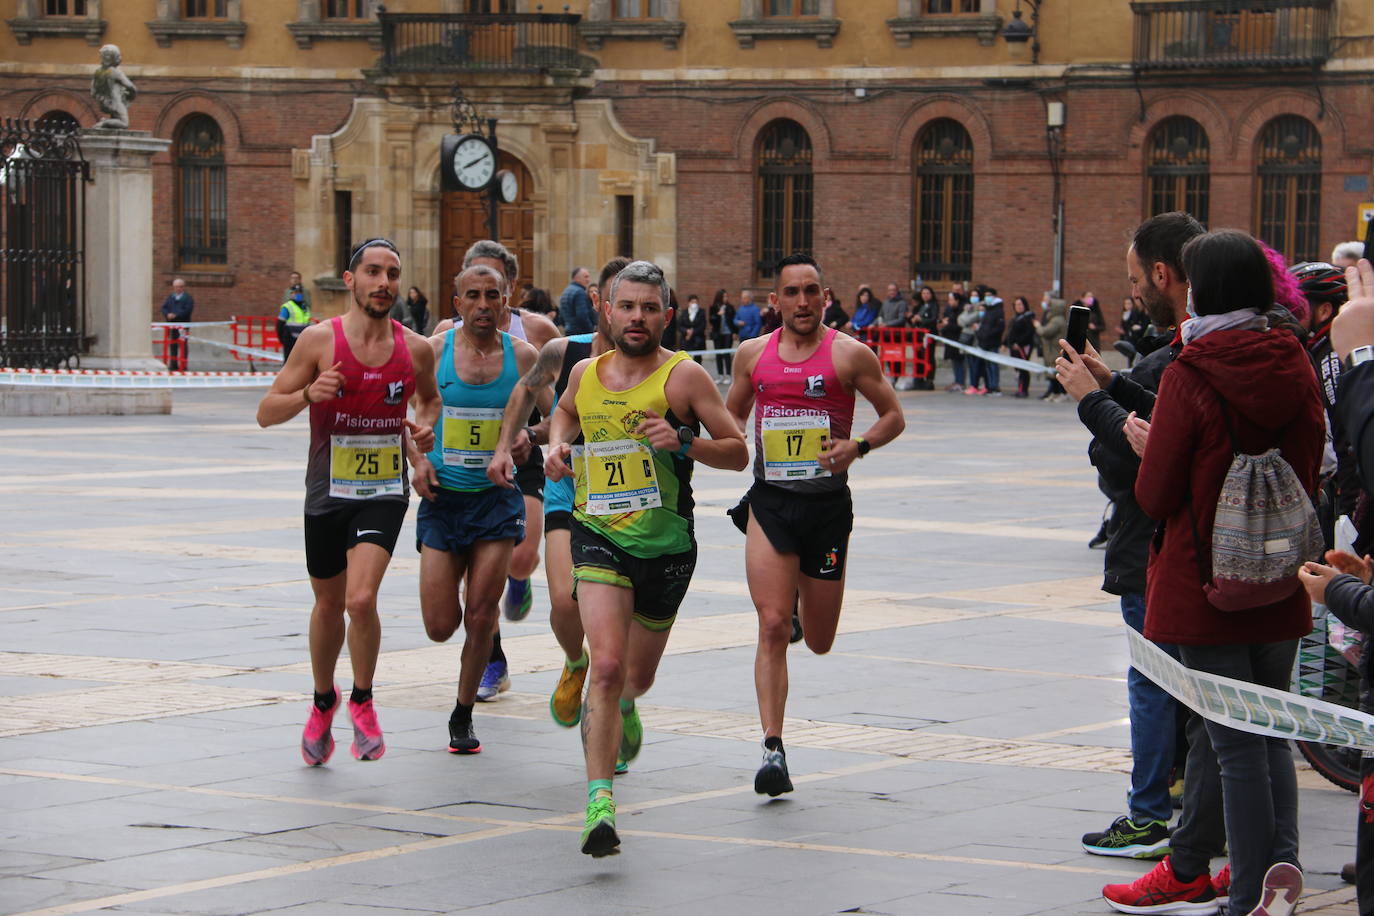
(557, 520)
(815, 527)
(659, 583)
(529, 477)
(329, 537)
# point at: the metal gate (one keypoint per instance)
(42, 224)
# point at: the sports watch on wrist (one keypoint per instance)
(863, 444)
(1359, 355)
(686, 437)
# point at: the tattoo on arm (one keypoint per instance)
(546, 367)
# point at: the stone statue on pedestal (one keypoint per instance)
(112, 90)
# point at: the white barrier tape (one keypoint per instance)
(192, 324)
(251, 351)
(1250, 707)
(993, 357)
(139, 380)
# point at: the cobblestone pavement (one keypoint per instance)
(966, 730)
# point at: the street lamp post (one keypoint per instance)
(1017, 32)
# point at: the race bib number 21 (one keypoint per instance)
(620, 478)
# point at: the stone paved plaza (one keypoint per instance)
(968, 727)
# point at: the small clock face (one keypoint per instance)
(510, 187)
(473, 163)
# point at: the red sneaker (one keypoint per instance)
(367, 734)
(317, 744)
(1221, 884)
(1161, 892)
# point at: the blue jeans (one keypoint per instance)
(1153, 733)
(993, 371)
(958, 363)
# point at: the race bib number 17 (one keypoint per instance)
(620, 478)
(792, 447)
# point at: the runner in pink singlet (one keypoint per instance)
(800, 383)
(356, 373)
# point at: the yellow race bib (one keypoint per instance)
(470, 436)
(792, 445)
(620, 478)
(361, 467)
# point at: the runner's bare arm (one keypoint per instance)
(536, 380)
(564, 427)
(539, 330)
(739, 400)
(693, 393)
(858, 366)
(426, 400)
(305, 369)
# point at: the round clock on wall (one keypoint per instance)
(473, 162)
(509, 185)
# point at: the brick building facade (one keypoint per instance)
(917, 146)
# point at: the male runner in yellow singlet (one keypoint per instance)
(638, 408)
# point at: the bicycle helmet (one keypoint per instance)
(1321, 282)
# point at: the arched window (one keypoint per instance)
(784, 192)
(202, 196)
(944, 202)
(1288, 187)
(1178, 156)
(57, 119)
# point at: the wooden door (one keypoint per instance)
(463, 220)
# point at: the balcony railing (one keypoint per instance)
(1180, 34)
(510, 43)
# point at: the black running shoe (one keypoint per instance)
(797, 634)
(461, 738)
(772, 779)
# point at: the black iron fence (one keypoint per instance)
(514, 42)
(42, 225)
(1182, 34)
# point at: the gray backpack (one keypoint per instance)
(1266, 528)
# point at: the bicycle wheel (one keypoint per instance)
(1324, 674)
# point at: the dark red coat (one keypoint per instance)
(1271, 395)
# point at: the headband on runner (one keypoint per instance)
(371, 243)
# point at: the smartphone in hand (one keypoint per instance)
(1077, 335)
(1369, 240)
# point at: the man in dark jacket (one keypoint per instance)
(1105, 400)
(988, 334)
(177, 307)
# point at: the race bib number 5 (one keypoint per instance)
(470, 436)
(361, 467)
(620, 478)
(792, 447)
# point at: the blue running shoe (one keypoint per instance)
(519, 599)
(495, 680)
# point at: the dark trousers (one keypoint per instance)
(725, 362)
(1259, 785)
(176, 350)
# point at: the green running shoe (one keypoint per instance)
(1126, 838)
(631, 734)
(599, 837)
(621, 767)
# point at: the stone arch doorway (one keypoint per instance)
(463, 220)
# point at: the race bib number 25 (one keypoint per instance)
(361, 467)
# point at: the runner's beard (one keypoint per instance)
(1157, 306)
(375, 311)
(649, 345)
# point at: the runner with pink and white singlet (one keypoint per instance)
(800, 383)
(356, 374)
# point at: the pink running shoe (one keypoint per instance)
(1282, 888)
(367, 734)
(317, 744)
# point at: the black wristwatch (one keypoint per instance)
(534, 437)
(686, 437)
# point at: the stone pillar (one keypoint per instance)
(119, 247)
